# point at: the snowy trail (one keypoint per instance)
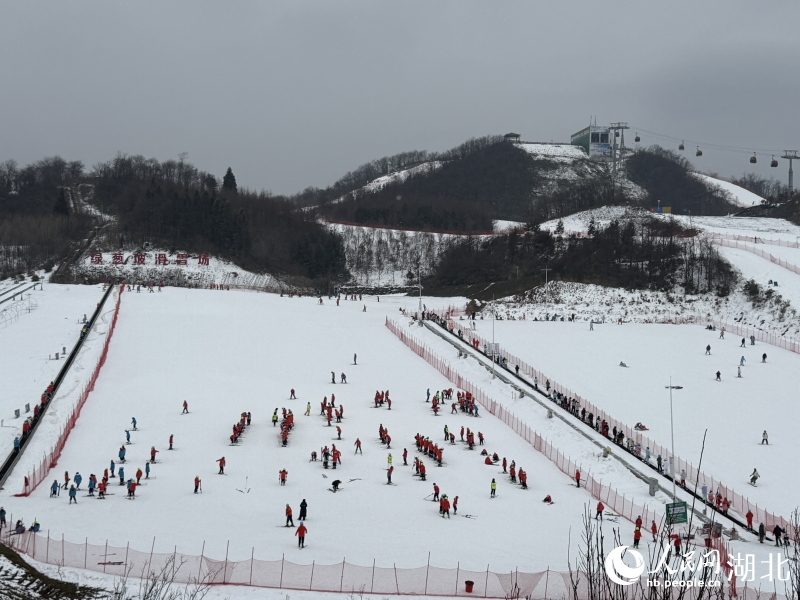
(226, 352)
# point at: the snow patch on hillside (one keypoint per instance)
(566, 153)
(736, 194)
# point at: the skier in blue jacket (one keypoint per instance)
(54, 489)
(122, 454)
(147, 470)
(78, 478)
(121, 475)
(91, 486)
(128, 436)
(113, 465)
(133, 422)
(73, 494)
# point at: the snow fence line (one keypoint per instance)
(738, 503)
(778, 261)
(751, 238)
(343, 577)
(38, 474)
(604, 493)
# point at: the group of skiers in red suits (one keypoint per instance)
(238, 428)
(429, 448)
(381, 397)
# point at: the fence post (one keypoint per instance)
(127, 548)
(201, 560)
(174, 558)
(252, 552)
(427, 571)
(458, 567)
(47, 551)
(486, 583)
(62, 549)
(225, 569)
(397, 585)
(85, 551)
(341, 580)
(280, 583)
(372, 585)
(546, 580)
(310, 583)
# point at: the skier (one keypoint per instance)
(405, 457)
(133, 422)
(742, 346)
(494, 488)
(355, 357)
(282, 476)
(389, 459)
(435, 492)
(275, 417)
(301, 535)
(147, 470)
(185, 407)
(73, 495)
(455, 505)
(289, 520)
(121, 473)
(719, 378)
(121, 454)
(221, 462)
(92, 484)
(647, 455)
(170, 441)
(66, 479)
(54, 488)
(739, 372)
(303, 507)
(777, 532)
(637, 535)
(764, 438)
(344, 378)
(335, 485)
(389, 472)
(658, 463)
(600, 509)
(764, 357)
(654, 530)
(138, 475)
(754, 477)
(749, 517)
(762, 532)
(308, 409)
(197, 483)
(333, 377)
(153, 453)
(683, 478)
(291, 395)
(78, 479)
(708, 349)
(741, 360)
(127, 436)
(338, 432)
(578, 477)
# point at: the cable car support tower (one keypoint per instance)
(791, 155)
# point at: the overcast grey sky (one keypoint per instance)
(296, 93)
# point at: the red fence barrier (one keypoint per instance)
(35, 477)
(737, 502)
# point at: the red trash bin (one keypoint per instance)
(469, 585)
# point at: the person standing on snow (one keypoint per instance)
(389, 472)
(133, 422)
(54, 488)
(435, 492)
(221, 462)
(494, 488)
(358, 447)
(578, 477)
(764, 438)
(308, 409)
(153, 452)
(389, 460)
(289, 520)
(301, 535)
(185, 407)
(355, 359)
(719, 377)
(741, 360)
(764, 357)
(197, 483)
(73, 495)
(708, 350)
(739, 372)
(303, 507)
(600, 509)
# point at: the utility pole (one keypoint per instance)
(546, 270)
(419, 279)
(791, 155)
(671, 387)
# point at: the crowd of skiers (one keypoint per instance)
(240, 425)
(29, 423)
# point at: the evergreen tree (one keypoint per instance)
(61, 207)
(229, 181)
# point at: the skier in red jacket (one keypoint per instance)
(435, 492)
(600, 509)
(289, 520)
(221, 462)
(578, 477)
(301, 535)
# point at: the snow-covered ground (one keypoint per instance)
(734, 411)
(30, 341)
(238, 351)
(737, 194)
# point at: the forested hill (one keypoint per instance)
(489, 178)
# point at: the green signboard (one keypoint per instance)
(676, 513)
